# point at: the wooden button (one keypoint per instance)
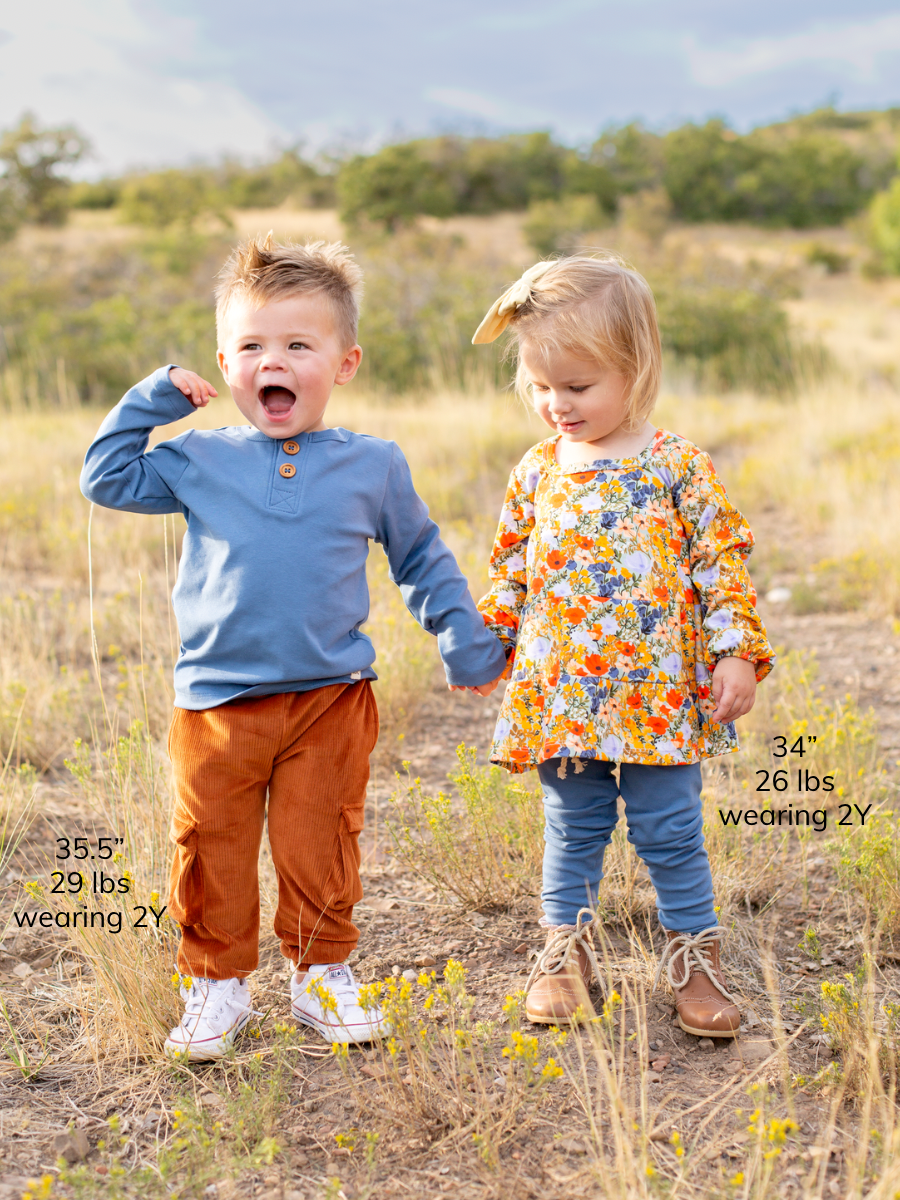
(287, 470)
(291, 448)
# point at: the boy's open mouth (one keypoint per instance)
(277, 401)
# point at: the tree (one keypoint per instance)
(702, 166)
(172, 197)
(32, 158)
(393, 187)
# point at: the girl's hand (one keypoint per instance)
(733, 688)
(197, 390)
(483, 689)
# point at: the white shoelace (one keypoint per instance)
(560, 948)
(341, 984)
(690, 952)
(211, 1002)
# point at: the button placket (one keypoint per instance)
(284, 488)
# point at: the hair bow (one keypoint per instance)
(501, 312)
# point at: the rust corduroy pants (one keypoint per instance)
(309, 751)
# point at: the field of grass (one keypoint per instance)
(466, 1098)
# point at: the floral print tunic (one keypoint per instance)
(616, 587)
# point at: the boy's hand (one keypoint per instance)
(197, 390)
(733, 688)
(483, 689)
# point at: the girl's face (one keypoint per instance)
(579, 399)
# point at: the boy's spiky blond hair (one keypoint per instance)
(599, 308)
(261, 269)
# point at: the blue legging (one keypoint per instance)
(665, 826)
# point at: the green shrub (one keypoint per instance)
(884, 226)
(484, 849)
(102, 193)
(733, 337)
(166, 198)
(797, 179)
(425, 296)
(289, 177)
(631, 156)
(393, 187)
(820, 255)
(560, 224)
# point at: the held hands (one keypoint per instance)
(733, 689)
(197, 390)
(483, 689)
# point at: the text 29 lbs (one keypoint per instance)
(806, 781)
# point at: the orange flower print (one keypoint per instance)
(596, 665)
(657, 593)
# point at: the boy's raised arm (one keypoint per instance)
(433, 587)
(118, 471)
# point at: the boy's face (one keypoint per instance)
(282, 360)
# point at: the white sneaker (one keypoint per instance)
(215, 1011)
(327, 998)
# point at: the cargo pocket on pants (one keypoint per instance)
(351, 891)
(186, 878)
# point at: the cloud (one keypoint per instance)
(124, 79)
(489, 108)
(469, 102)
(858, 46)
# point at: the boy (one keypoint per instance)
(273, 681)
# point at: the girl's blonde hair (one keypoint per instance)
(597, 308)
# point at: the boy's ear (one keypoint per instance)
(223, 364)
(349, 366)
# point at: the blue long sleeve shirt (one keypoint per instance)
(272, 590)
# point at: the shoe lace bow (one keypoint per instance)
(688, 953)
(210, 1001)
(560, 949)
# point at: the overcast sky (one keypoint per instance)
(165, 81)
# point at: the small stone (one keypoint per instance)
(23, 970)
(425, 960)
(73, 1147)
(571, 1145)
(311, 1106)
(373, 1071)
(653, 1045)
(706, 1044)
(654, 1077)
(523, 949)
(382, 904)
(395, 969)
(410, 976)
(479, 920)
(778, 595)
(660, 1064)
(752, 1050)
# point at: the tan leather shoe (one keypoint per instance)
(703, 1003)
(558, 985)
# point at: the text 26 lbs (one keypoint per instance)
(806, 781)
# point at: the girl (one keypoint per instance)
(620, 589)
